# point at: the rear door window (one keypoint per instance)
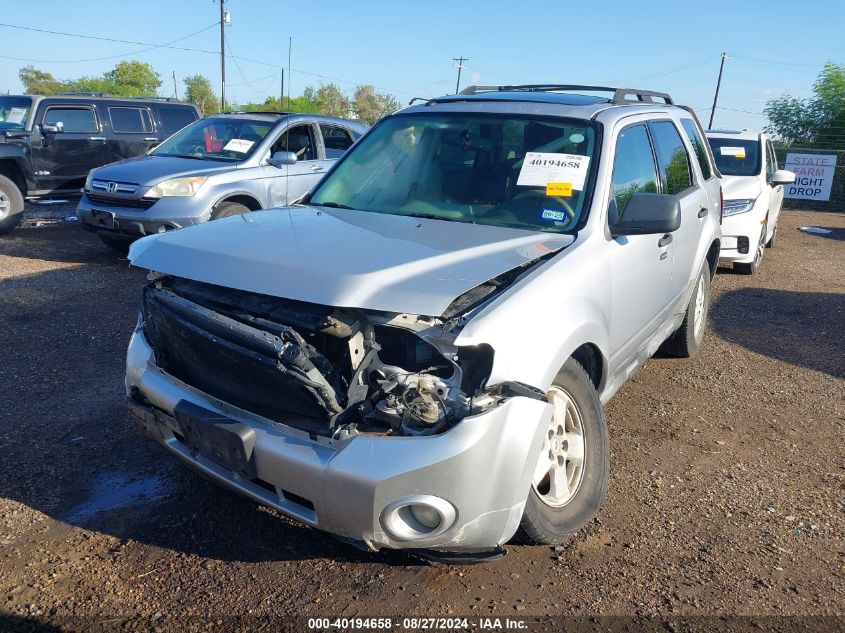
(73, 119)
(130, 120)
(672, 158)
(634, 170)
(174, 118)
(336, 140)
(698, 145)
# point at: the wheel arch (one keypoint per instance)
(241, 197)
(10, 168)
(713, 257)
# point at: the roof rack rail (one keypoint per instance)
(620, 95)
(83, 93)
(255, 112)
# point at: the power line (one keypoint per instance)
(772, 61)
(150, 47)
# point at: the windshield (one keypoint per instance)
(14, 112)
(513, 171)
(217, 138)
(736, 157)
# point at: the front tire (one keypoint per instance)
(754, 267)
(11, 205)
(686, 340)
(570, 479)
(228, 209)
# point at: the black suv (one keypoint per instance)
(49, 144)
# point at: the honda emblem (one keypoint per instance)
(111, 187)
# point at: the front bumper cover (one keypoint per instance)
(482, 466)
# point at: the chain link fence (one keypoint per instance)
(814, 177)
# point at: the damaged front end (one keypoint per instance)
(329, 371)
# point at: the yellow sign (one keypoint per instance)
(559, 189)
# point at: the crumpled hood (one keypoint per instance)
(150, 170)
(741, 187)
(344, 258)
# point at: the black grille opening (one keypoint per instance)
(132, 203)
(229, 371)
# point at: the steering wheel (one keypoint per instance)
(198, 150)
(537, 193)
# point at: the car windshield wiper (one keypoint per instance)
(334, 205)
(433, 216)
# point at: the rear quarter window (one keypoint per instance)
(174, 118)
(698, 145)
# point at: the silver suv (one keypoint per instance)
(417, 355)
(223, 165)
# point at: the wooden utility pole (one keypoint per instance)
(460, 61)
(222, 56)
(716, 96)
(175, 89)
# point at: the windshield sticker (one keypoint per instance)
(541, 168)
(240, 145)
(554, 214)
(576, 138)
(738, 152)
(559, 189)
(16, 115)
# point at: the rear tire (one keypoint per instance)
(228, 209)
(570, 479)
(11, 205)
(118, 245)
(686, 340)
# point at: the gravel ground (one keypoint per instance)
(726, 498)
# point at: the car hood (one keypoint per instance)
(344, 258)
(150, 170)
(741, 187)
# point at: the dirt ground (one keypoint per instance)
(727, 496)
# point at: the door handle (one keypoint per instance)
(151, 138)
(97, 138)
(317, 168)
(665, 240)
(702, 212)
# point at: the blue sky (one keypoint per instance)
(406, 48)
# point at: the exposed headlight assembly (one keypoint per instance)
(733, 207)
(88, 180)
(176, 187)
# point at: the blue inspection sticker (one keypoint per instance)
(552, 214)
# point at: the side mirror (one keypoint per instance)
(13, 133)
(280, 159)
(52, 128)
(649, 213)
(783, 177)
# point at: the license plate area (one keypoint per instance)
(226, 442)
(103, 219)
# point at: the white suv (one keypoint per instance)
(417, 355)
(753, 190)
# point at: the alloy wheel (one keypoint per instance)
(560, 468)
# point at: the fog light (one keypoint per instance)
(426, 515)
(418, 518)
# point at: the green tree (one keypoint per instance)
(815, 121)
(133, 78)
(39, 82)
(331, 101)
(198, 91)
(370, 106)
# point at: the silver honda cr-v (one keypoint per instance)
(223, 165)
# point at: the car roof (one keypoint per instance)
(742, 135)
(104, 97)
(275, 117)
(567, 100)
